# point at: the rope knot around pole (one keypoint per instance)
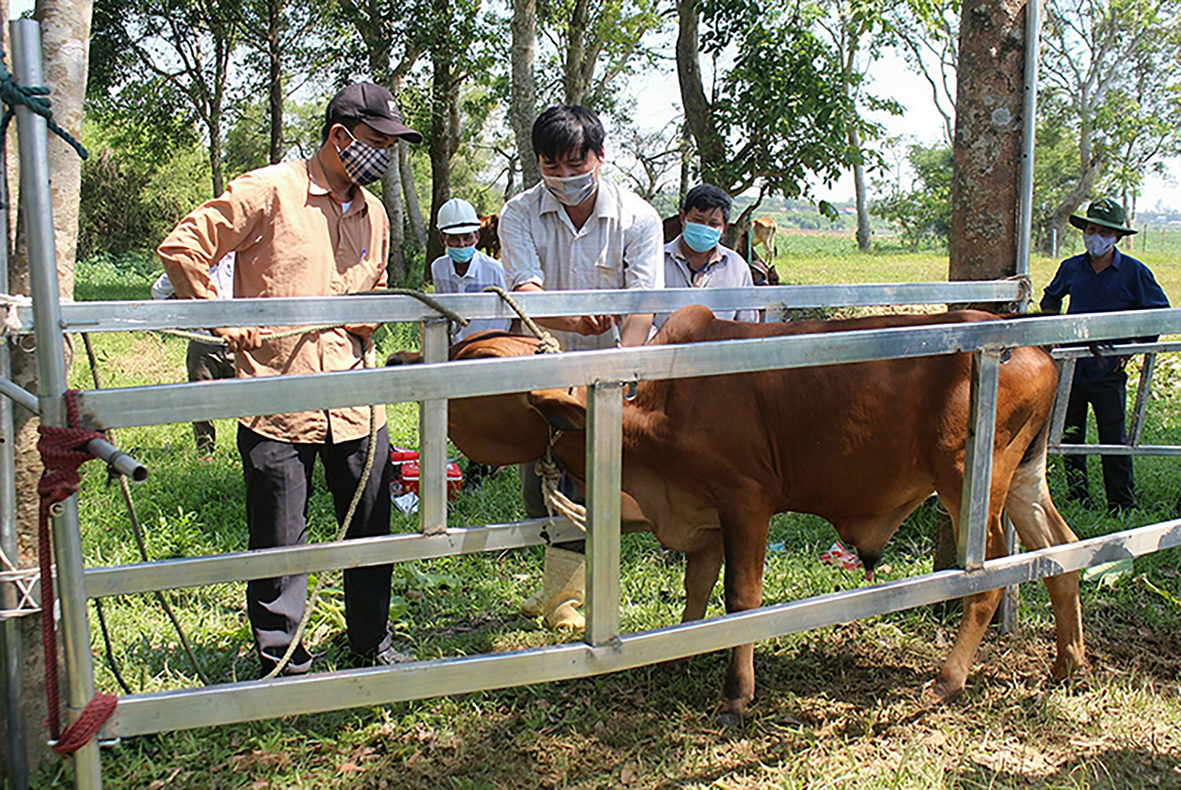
(31, 96)
(63, 453)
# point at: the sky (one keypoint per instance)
(658, 102)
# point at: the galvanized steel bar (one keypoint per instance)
(604, 457)
(304, 311)
(432, 437)
(1033, 30)
(1061, 399)
(140, 714)
(171, 403)
(1143, 391)
(1114, 449)
(11, 652)
(12, 391)
(293, 560)
(37, 205)
(972, 542)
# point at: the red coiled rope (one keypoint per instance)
(63, 451)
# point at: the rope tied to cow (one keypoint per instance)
(551, 481)
(62, 454)
(14, 95)
(547, 344)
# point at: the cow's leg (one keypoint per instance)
(701, 574)
(978, 612)
(745, 536)
(1040, 525)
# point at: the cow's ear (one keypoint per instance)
(560, 409)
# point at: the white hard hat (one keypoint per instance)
(457, 216)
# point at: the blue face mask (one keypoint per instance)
(461, 254)
(701, 238)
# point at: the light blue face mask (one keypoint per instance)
(1097, 245)
(461, 254)
(701, 238)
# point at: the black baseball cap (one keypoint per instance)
(373, 106)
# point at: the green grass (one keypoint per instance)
(838, 707)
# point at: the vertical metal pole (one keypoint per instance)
(37, 204)
(1033, 28)
(604, 464)
(1033, 24)
(10, 630)
(432, 437)
(1058, 418)
(1142, 394)
(972, 544)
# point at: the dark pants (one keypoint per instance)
(1108, 397)
(278, 487)
(207, 362)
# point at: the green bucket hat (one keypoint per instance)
(1105, 213)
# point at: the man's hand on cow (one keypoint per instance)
(594, 324)
(363, 331)
(240, 338)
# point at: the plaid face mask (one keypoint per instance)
(363, 163)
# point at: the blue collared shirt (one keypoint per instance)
(1125, 285)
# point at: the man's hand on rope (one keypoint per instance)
(363, 331)
(240, 338)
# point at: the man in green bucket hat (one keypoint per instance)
(1102, 279)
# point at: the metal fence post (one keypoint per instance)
(972, 543)
(37, 204)
(432, 437)
(10, 630)
(1143, 392)
(604, 463)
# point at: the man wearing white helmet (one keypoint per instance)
(464, 269)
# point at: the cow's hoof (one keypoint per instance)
(729, 720)
(940, 692)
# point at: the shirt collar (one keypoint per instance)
(677, 248)
(318, 185)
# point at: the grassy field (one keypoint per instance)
(838, 707)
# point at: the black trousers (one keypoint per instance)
(1108, 397)
(278, 487)
(207, 362)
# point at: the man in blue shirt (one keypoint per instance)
(1101, 280)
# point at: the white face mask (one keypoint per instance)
(1098, 246)
(573, 190)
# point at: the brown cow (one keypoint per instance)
(489, 239)
(860, 445)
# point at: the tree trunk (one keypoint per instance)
(410, 193)
(987, 160)
(863, 226)
(1077, 196)
(440, 151)
(275, 78)
(575, 83)
(65, 32)
(711, 149)
(524, 88)
(987, 151)
(217, 169)
(391, 198)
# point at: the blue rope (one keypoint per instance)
(13, 95)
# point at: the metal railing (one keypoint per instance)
(604, 373)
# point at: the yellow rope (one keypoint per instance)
(548, 344)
